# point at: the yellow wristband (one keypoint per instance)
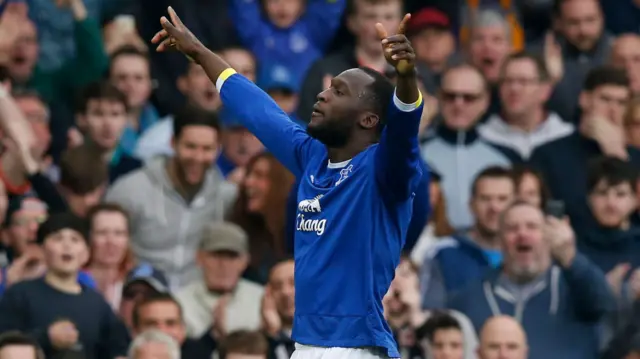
(224, 75)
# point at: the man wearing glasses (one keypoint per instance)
(456, 150)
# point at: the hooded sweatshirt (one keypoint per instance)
(165, 228)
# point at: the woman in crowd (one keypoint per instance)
(111, 257)
(261, 211)
(530, 185)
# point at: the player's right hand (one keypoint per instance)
(176, 36)
(63, 334)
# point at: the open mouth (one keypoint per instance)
(524, 248)
(66, 257)
(487, 62)
(19, 60)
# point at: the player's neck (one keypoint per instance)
(347, 152)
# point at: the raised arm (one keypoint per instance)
(252, 106)
(398, 155)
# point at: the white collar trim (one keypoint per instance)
(338, 164)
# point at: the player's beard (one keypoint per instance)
(331, 135)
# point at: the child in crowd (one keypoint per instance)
(55, 309)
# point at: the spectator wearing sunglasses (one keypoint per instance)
(456, 150)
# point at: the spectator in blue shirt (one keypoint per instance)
(556, 293)
(286, 32)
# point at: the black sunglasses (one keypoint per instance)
(451, 96)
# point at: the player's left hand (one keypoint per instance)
(397, 48)
(176, 36)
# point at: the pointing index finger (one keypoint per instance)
(382, 33)
(403, 24)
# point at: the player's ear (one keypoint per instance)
(369, 120)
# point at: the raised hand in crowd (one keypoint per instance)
(634, 284)
(29, 265)
(553, 57)
(608, 135)
(562, 240)
(74, 138)
(122, 32)
(616, 277)
(271, 322)
(219, 317)
(63, 334)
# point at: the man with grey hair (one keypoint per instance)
(557, 295)
(488, 48)
(489, 42)
(154, 344)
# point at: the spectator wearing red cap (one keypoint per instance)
(430, 33)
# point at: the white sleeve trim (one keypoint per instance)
(406, 107)
(219, 83)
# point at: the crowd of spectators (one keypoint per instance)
(140, 220)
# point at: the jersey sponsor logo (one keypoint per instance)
(310, 225)
(310, 205)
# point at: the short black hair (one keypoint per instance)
(17, 338)
(378, 95)
(102, 90)
(491, 172)
(126, 50)
(612, 170)
(194, 116)
(153, 298)
(605, 75)
(538, 62)
(439, 321)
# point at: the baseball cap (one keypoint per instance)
(224, 236)
(276, 77)
(59, 221)
(428, 17)
(145, 273)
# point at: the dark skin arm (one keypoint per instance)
(176, 36)
(399, 54)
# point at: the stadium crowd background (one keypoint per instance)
(142, 221)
